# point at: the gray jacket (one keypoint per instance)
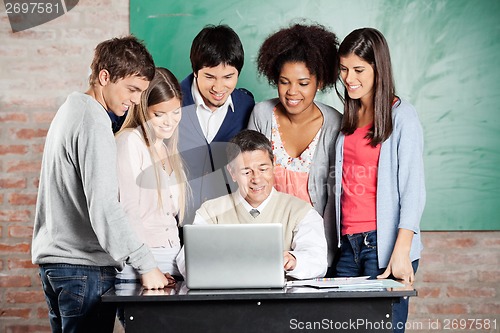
(78, 217)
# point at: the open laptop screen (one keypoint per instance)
(234, 256)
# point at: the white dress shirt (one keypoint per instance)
(210, 121)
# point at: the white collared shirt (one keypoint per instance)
(237, 195)
(210, 121)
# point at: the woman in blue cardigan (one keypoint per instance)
(379, 172)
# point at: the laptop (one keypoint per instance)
(234, 256)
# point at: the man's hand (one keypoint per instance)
(154, 279)
(289, 261)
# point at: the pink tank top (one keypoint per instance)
(359, 183)
(291, 174)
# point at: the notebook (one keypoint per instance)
(234, 256)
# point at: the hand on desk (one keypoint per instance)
(400, 264)
(400, 267)
(170, 279)
(154, 279)
(289, 261)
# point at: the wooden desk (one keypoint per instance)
(297, 309)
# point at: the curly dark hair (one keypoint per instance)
(314, 45)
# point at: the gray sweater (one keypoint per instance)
(78, 217)
(322, 167)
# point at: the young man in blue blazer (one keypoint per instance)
(214, 111)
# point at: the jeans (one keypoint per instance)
(73, 294)
(358, 257)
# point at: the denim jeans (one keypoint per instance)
(73, 294)
(358, 257)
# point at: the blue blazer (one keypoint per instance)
(205, 163)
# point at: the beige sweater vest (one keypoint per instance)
(282, 208)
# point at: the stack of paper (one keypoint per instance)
(360, 282)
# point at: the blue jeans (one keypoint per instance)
(73, 294)
(358, 257)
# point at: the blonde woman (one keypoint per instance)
(151, 177)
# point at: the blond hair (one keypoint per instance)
(162, 88)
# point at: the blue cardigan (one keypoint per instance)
(400, 183)
(205, 162)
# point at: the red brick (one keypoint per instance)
(13, 117)
(474, 259)
(20, 232)
(471, 292)
(447, 276)
(94, 3)
(488, 309)
(38, 148)
(28, 133)
(23, 166)
(36, 182)
(20, 263)
(431, 258)
(13, 149)
(15, 313)
(11, 51)
(31, 101)
(22, 199)
(15, 216)
(25, 297)
(488, 276)
(60, 50)
(448, 309)
(19, 248)
(33, 34)
(448, 240)
(43, 117)
(13, 182)
(15, 281)
(492, 243)
(17, 328)
(428, 292)
(42, 313)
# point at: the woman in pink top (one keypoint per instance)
(380, 169)
(151, 177)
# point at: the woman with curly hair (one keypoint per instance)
(300, 61)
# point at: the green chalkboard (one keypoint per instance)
(446, 58)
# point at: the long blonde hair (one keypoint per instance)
(162, 88)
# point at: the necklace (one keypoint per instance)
(164, 160)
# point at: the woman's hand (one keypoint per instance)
(170, 279)
(400, 264)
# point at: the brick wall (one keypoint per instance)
(457, 283)
(458, 277)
